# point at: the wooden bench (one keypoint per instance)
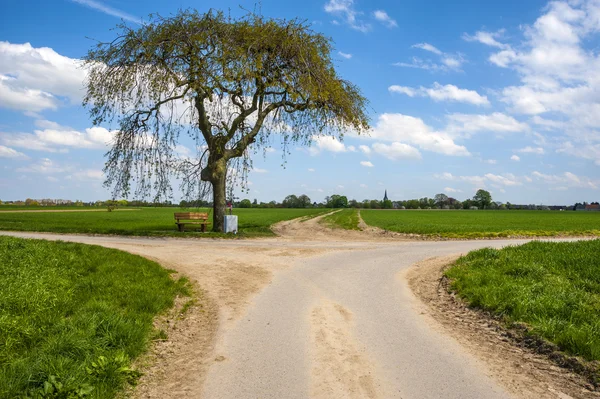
(181, 219)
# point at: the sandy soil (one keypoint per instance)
(340, 368)
(523, 372)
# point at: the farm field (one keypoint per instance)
(479, 224)
(553, 287)
(73, 317)
(346, 219)
(143, 221)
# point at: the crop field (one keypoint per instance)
(552, 287)
(73, 317)
(476, 224)
(142, 221)
(346, 219)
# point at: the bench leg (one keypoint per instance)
(181, 226)
(203, 228)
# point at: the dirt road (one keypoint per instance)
(318, 318)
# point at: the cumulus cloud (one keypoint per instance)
(345, 55)
(515, 158)
(452, 190)
(567, 179)
(408, 129)
(473, 123)
(326, 143)
(6, 152)
(36, 79)
(364, 149)
(385, 19)
(367, 164)
(443, 93)
(504, 180)
(397, 151)
(52, 137)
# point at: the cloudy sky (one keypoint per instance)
(500, 95)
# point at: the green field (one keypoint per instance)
(73, 317)
(346, 219)
(477, 224)
(142, 221)
(552, 287)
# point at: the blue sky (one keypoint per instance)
(463, 95)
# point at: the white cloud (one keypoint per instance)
(385, 19)
(487, 38)
(345, 55)
(504, 180)
(428, 47)
(447, 61)
(326, 143)
(443, 93)
(567, 179)
(345, 10)
(396, 151)
(365, 149)
(311, 170)
(531, 150)
(36, 79)
(45, 166)
(86, 175)
(491, 161)
(367, 164)
(259, 170)
(56, 138)
(6, 152)
(515, 158)
(403, 128)
(495, 122)
(99, 6)
(452, 190)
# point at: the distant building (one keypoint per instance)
(594, 206)
(385, 197)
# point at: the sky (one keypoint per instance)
(463, 95)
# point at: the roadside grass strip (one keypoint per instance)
(346, 219)
(485, 224)
(145, 222)
(552, 287)
(73, 317)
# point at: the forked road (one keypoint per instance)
(339, 324)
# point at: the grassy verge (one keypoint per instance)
(554, 288)
(144, 222)
(485, 224)
(73, 317)
(346, 219)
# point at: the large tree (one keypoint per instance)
(227, 84)
(483, 198)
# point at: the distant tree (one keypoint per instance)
(353, 203)
(336, 201)
(387, 204)
(255, 202)
(375, 204)
(366, 204)
(245, 203)
(291, 201)
(122, 202)
(441, 200)
(482, 199)
(304, 201)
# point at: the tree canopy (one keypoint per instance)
(225, 85)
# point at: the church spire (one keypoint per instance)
(385, 198)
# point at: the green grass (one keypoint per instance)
(478, 224)
(143, 221)
(552, 287)
(346, 219)
(73, 317)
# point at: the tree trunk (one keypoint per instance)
(219, 201)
